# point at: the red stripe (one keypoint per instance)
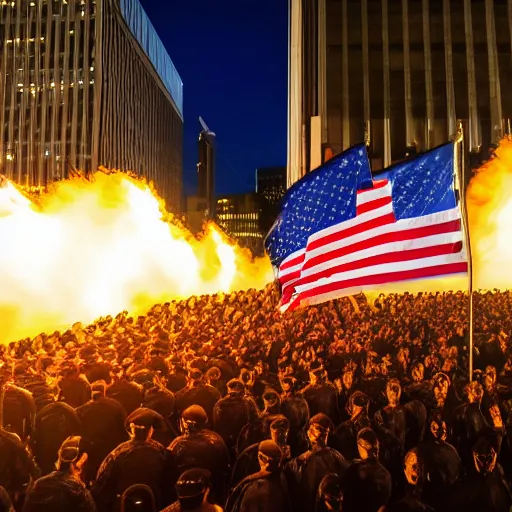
(386, 278)
(385, 238)
(292, 262)
(376, 186)
(289, 277)
(373, 205)
(389, 218)
(381, 259)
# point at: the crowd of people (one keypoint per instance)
(222, 403)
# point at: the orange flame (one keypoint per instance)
(92, 248)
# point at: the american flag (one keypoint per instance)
(341, 232)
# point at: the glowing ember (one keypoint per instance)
(89, 249)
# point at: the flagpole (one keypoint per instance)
(460, 163)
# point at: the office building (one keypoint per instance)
(270, 188)
(239, 216)
(85, 83)
(403, 71)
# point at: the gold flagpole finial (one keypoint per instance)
(459, 136)
(367, 138)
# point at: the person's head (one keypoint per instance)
(441, 384)
(271, 400)
(279, 429)
(72, 456)
(393, 392)
(317, 375)
(330, 492)
(418, 372)
(98, 389)
(357, 403)
(485, 454)
(320, 426)
(348, 379)
(474, 392)
(490, 378)
(367, 444)
(142, 422)
(195, 376)
(288, 384)
(192, 488)
(138, 498)
(213, 375)
(236, 387)
(269, 456)
(413, 467)
(193, 419)
(438, 427)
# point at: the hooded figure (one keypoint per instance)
(368, 483)
(102, 427)
(247, 463)
(415, 475)
(308, 470)
(54, 424)
(345, 437)
(330, 494)
(63, 490)
(265, 490)
(192, 489)
(441, 462)
(137, 461)
(199, 447)
(233, 412)
(197, 392)
(321, 395)
(296, 409)
(484, 487)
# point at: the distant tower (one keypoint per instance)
(206, 169)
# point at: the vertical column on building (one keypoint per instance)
(386, 81)
(407, 75)
(448, 58)
(474, 135)
(4, 155)
(428, 75)
(366, 63)
(345, 107)
(322, 70)
(295, 73)
(494, 73)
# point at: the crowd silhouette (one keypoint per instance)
(223, 403)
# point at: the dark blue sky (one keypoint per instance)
(232, 58)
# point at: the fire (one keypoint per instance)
(92, 248)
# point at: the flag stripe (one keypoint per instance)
(390, 275)
(322, 295)
(393, 235)
(373, 204)
(401, 251)
(401, 225)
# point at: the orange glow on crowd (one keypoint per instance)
(89, 248)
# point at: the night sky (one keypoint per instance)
(232, 59)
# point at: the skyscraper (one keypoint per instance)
(405, 69)
(85, 83)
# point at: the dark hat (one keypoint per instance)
(143, 417)
(195, 414)
(192, 483)
(323, 421)
(236, 385)
(270, 449)
(359, 399)
(280, 422)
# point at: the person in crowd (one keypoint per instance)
(308, 470)
(137, 461)
(265, 490)
(192, 489)
(199, 447)
(64, 489)
(330, 494)
(367, 482)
